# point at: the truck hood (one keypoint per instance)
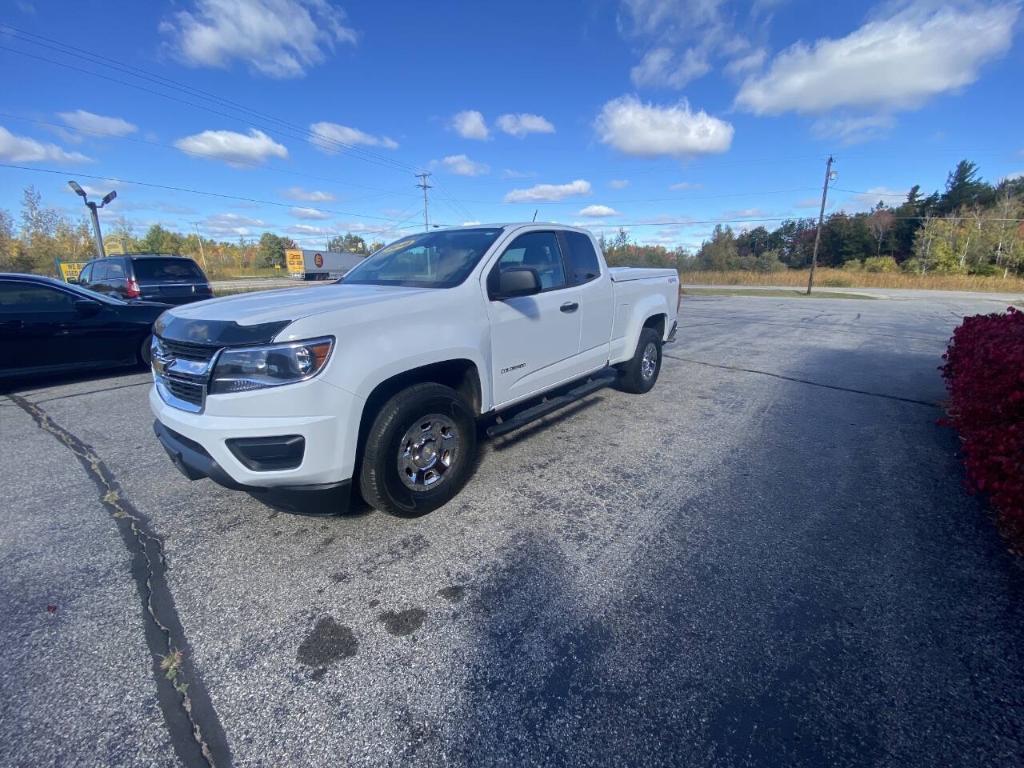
(289, 304)
(258, 317)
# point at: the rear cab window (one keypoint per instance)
(170, 270)
(581, 257)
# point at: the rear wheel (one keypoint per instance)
(641, 372)
(419, 451)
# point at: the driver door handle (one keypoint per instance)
(569, 306)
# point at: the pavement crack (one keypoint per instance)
(835, 387)
(188, 712)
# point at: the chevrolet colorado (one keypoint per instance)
(379, 379)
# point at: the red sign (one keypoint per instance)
(318, 260)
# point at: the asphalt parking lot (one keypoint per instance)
(769, 560)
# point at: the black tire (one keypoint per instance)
(631, 374)
(384, 459)
(146, 351)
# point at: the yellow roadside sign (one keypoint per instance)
(293, 257)
(70, 270)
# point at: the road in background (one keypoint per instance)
(769, 560)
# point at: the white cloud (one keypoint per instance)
(597, 211)
(510, 173)
(747, 62)
(230, 224)
(899, 62)
(684, 185)
(864, 201)
(99, 125)
(470, 223)
(461, 165)
(470, 124)
(308, 195)
(618, 183)
(309, 213)
(309, 230)
(548, 192)
(746, 213)
(852, 130)
(327, 136)
(278, 38)
(647, 130)
(523, 123)
(236, 149)
(22, 149)
(661, 68)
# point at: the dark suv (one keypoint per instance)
(150, 277)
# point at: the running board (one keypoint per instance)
(552, 404)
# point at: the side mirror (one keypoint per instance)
(87, 307)
(517, 281)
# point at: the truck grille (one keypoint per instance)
(184, 389)
(186, 351)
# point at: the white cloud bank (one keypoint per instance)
(22, 149)
(97, 125)
(598, 211)
(311, 214)
(648, 130)
(308, 195)
(236, 149)
(277, 38)
(327, 137)
(889, 63)
(461, 165)
(524, 123)
(547, 193)
(470, 124)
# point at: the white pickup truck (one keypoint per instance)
(380, 380)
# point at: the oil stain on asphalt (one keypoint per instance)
(403, 622)
(327, 643)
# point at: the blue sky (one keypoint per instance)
(636, 112)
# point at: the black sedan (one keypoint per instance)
(47, 326)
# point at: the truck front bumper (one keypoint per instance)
(321, 417)
(196, 463)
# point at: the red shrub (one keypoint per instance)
(984, 374)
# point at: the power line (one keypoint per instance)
(191, 153)
(187, 190)
(290, 129)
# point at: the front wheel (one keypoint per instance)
(146, 351)
(419, 451)
(639, 374)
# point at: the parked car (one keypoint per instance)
(149, 277)
(48, 326)
(380, 378)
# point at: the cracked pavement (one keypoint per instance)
(768, 560)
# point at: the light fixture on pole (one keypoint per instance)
(93, 208)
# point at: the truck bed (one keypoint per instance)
(627, 274)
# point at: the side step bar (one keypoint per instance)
(552, 404)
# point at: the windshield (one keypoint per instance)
(431, 260)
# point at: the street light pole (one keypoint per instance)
(93, 210)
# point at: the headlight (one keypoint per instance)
(248, 368)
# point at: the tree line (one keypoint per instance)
(46, 234)
(971, 227)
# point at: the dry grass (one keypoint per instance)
(838, 278)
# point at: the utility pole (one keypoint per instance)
(424, 186)
(93, 208)
(202, 252)
(821, 219)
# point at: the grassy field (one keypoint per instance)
(795, 293)
(838, 278)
